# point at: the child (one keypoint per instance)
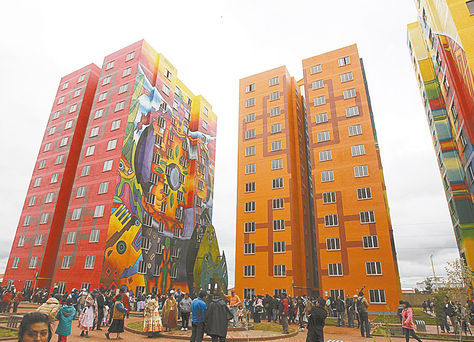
(240, 314)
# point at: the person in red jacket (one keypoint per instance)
(284, 311)
(407, 322)
(7, 297)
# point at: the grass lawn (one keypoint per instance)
(418, 314)
(136, 325)
(8, 333)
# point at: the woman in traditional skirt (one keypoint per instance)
(152, 321)
(170, 313)
(118, 317)
(87, 315)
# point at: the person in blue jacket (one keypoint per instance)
(198, 310)
(65, 317)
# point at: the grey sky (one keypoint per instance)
(213, 44)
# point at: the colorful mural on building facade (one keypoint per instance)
(160, 234)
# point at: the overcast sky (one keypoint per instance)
(213, 44)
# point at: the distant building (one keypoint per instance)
(442, 50)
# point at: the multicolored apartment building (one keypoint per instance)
(312, 211)
(122, 191)
(441, 45)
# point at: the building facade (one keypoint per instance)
(140, 191)
(442, 52)
(325, 228)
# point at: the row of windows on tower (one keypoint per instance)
(70, 239)
(347, 94)
(80, 79)
(143, 267)
(66, 262)
(345, 77)
(356, 150)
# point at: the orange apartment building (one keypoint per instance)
(312, 212)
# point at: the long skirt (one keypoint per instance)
(153, 323)
(86, 318)
(170, 321)
(116, 326)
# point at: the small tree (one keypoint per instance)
(428, 285)
(459, 279)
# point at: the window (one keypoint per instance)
(44, 218)
(37, 182)
(66, 261)
(26, 221)
(274, 81)
(352, 111)
(49, 197)
(325, 155)
(249, 168)
(42, 164)
(123, 88)
(250, 187)
(346, 77)
(56, 114)
(54, 178)
(141, 267)
(119, 106)
(94, 237)
(364, 193)
(32, 201)
(47, 147)
(279, 270)
(146, 244)
(333, 244)
(73, 108)
(52, 130)
(249, 271)
(249, 207)
(250, 117)
(85, 170)
(323, 136)
(65, 85)
(81, 78)
(90, 150)
(274, 96)
(344, 61)
(370, 241)
(204, 124)
(250, 151)
(277, 183)
(99, 210)
(165, 90)
(358, 150)
(322, 117)
(163, 207)
(317, 84)
(250, 133)
(94, 132)
(39, 240)
(337, 293)
(102, 97)
(115, 125)
(277, 164)
(63, 142)
(103, 187)
(320, 100)
(76, 214)
(278, 225)
(316, 69)
(355, 130)
(110, 65)
(107, 165)
(276, 128)
(59, 159)
(275, 146)
(275, 111)
(367, 217)
(15, 263)
(373, 268)
(130, 56)
(361, 171)
(249, 293)
(68, 124)
(329, 197)
(106, 80)
(111, 144)
(349, 93)
(61, 100)
(249, 227)
(71, 238)
(250, 87)
(279, 247)
(249, 248)
(127, 72)
(168, 74)
(278, 203)
(250, 102)
(327, 176)
(330, 220)
(377, 296)
(98, 113)
(33, 262)
(81, 191)
(335, 269)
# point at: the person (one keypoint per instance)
(234, 302)
(185, 309)
(7, 297)
(118, 318)
(363, 306)
(241, 314)
(198, 310)
(316, 320)
(100, 299)
(87, 316)
(284, 308)
(329, 306)
(65, 316)
(275, 307)
(81, 300)
(217, 319)
(424, 306)
(152, 319)
(35, 327)
(301, 313)
(340, 310)
(452, 314)
(258, 309)
(170, 312)
(350, 311)
(267, 304)
(16, 300)
(401, 307)
(50, 308)
(440, 314)
(407, 322)
(356, 311)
